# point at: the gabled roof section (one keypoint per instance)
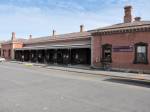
(123, 27)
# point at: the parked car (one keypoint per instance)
(2, 59)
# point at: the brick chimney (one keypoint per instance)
(128, 15)
(30, 36)
(13, 36)
(81, 28)
(137, 18)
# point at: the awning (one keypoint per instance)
(74, 46)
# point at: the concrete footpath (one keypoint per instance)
(122, 75)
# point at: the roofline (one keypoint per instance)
(105, 28)
(56, 47)
(58, 39)
(122, 30)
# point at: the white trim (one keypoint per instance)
(92, 51)
(56, 47)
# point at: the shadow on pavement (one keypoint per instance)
(129, 82)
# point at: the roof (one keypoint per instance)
(75, 35)
(10, 41)
(1, 42)
(122, 26)
(56, 47)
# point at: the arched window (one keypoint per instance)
(141, 52)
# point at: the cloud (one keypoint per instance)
(40, 17)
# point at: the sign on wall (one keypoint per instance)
(123, 49)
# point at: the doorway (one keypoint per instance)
(107, 53)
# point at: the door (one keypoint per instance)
(107, 53)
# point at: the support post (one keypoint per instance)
(22, 56)
(30, 56)
(56, 57)
(45, 56)
(69, 63)
(36, 56)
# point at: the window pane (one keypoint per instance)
(141, 49)
(141, 54)
(141, 57)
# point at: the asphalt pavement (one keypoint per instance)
(25, 88)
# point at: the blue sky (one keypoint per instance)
(40, 17)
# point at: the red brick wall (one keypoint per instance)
(5, 51)
(10, 46)
(0, 52)
(14, 46)
(96, 51)
(121, 59)
(17, 45)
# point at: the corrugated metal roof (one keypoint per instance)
(75, 35)
(68, 36)
(56, 47)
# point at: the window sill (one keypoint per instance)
(141, 62)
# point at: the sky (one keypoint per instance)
(40, 17)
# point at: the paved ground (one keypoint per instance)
(25, 88)
(86, 69)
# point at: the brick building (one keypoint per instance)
(123, 46)
(0, 48)
(8, 47)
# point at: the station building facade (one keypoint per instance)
(65, 49)
(123, 46)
